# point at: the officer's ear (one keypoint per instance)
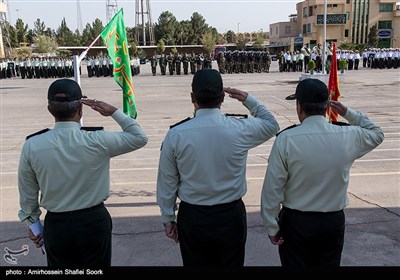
(222, 96)
(80, 110)
(192, 97)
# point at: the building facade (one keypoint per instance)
(281, 34)
(3, 17)
(346, 21)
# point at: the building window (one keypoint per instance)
(385, 24)
(287, 29)
(310, 11)
(305, 12)
(309, 28)
(276, 30)
(347, 1)
(331, 5)
(385, 8)
(346, 33)
(306, 28)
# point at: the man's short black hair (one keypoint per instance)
(207, 87)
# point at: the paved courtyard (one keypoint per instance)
(373, 216)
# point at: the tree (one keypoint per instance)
(39, 27)
(64, 35)
(22, 53)
(161, 46)
(133, 48)
(373, 37)
(258, 42)
(29, 36)
(241, 42)
(87, 37)
(346, 45)
(10, 35)
(230, 37)
(64, 53)
(183, 32)
(77, 38)
(50, 32)
(97, 27)
(130, 34)
(166, 27)
(45, 44)
(208, 42)
(199, 28)
(21, 31)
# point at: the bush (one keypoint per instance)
(342, 64)
(311, 65)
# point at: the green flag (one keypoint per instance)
(114, 36)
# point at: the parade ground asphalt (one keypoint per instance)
(372, 236)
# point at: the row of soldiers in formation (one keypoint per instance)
(299, 59)
(373, 58)
(381, 58)
(244, 62)
(102, 66)
(174, 62)
(36, 68)
(228, 62)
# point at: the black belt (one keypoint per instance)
(80, 211)
(215, 205)
(284, 208)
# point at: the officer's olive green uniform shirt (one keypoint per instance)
(309, 165)
(70, 166)
(203, 160)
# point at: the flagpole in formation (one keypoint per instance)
(77, 61)
(324, 45)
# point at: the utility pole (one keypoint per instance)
(79, 16)
(143, 9)
(112, 9)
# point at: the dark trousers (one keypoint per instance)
(79, 238)
(212, 235)
(311, 239)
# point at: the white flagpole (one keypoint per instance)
(324, 45)
(77, 62)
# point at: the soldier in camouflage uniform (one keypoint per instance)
(153, 64)
(171, 64)
(163, 64)
(185, 61)
(221, 62)
(192, 62)
(177, 62)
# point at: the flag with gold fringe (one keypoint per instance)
(333, 85)
(114, 36)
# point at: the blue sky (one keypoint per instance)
(245, 16)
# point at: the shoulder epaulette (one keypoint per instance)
(37, 133)
(92, 128)
(181, 122)
(240, 116)
(340, 123)
(289, 127)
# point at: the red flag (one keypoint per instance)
(333, 85)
